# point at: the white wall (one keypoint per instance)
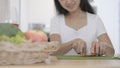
(119, 26)
(109, 12)
(40, 11)
(14, 7)
(4, 10)
(24, 15)
(36, 11)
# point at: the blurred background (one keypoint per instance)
(36, 14)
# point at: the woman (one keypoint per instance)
(79, 30)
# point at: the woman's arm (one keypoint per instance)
(109, 50)
(64, 48)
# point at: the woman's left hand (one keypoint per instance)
(99, 48)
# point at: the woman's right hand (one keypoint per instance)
(79, 46)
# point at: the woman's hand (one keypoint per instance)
(99, 48)
(79, 46)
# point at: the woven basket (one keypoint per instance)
(26, 53)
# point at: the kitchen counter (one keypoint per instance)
(74, 62)
(71, 64)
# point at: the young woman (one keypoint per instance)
(79, 30)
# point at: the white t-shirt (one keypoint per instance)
(88, 33)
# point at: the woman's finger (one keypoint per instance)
(93, 48)
(97, 49)
(79, 47)
(83, 49)
(101, 49)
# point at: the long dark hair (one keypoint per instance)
(84, 6)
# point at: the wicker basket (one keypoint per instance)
(26, 53)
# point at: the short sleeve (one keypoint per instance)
(55, 26)
(100, 26)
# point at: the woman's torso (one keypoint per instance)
(86, 33)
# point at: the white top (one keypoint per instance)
(88, 33)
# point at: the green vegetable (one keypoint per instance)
(8, 29)
(17, 39)
(10, 33)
